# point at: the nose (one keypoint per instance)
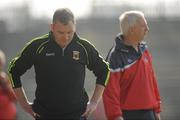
(146, 28)
(66, 36)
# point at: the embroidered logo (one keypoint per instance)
(76, 55)
(145, 59)
(129, 61)
(50, 54)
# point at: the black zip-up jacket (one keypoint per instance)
(60, 74)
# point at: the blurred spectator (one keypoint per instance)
(7, 96)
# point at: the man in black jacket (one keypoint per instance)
(59, 59)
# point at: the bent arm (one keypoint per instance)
(22, 99)
(97, 93)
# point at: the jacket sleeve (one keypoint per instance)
(111, 96)
(156, 90)
(97, 64)
(157, 94)
(20, 64)
(158, 108)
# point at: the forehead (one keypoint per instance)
(61, 25)
(58, 26)
(142, 21)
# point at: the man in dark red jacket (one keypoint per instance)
(132, 92)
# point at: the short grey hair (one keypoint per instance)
(129, 19)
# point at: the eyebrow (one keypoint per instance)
(65, 32)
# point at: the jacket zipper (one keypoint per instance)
(63, 51)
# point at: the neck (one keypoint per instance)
(131, 42)
(63, 44)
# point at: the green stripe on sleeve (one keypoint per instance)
(11, 80)
(12, 63)
(107, 78)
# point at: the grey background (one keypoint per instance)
(163, 41)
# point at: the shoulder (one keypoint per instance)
(35, 43)
(38, 40)
(143, 46)
(115, 59)
(86, 43)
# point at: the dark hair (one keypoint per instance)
(63, 15)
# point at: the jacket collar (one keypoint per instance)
(120, 44)
(75, 37)
(119, 40)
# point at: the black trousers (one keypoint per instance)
(138, 115)
(44, 118)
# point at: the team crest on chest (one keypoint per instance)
(145, 59)
(76, 55)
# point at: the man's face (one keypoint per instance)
(63, 33)
(140, 29)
